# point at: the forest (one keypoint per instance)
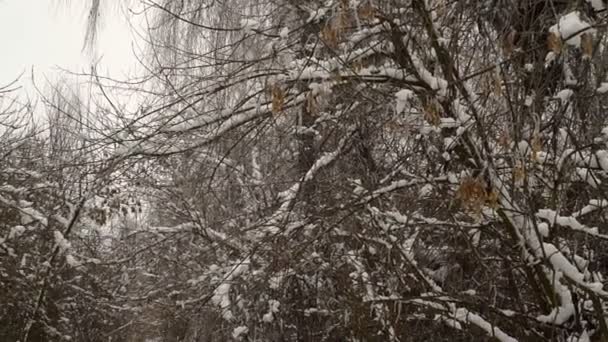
(317, 170)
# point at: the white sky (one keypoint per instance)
(49, 34)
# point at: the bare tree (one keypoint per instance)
(351, 170)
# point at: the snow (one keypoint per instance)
(233, 120)
(564, 221)
(61, 242)
(425, 191)
(320, 88)
(402, 97)
(223, 287)
(257, 169)
(560, 263)
(598, 203)
(360, 275)
(16, 232)
(436, 83)
(587, 176)
(571, 27)
(542, 250)
(460, 112)
(581, 262)
(570, 79)
(593, 205)
(508, 313)
(310, 311)
(562, 313)
(597, 5)
(62, 220)
(543, 229)
(603, 88)
(221, 295)
(605, 133)
(464, 315)
(23, 203)
(249, 25)
(326, 159)
(284, 33)
(602, 159)
(29, 215)
(475, 235)
(363, 33)
(273, 307)
(523, 148)
(238, 332)
(449, 143)
(448, 123)
(316, 15)
(541, 157)
(71, 261)
(551, 56)
(186, 227)
(287, 196)
(439, 275)
(564, 95)
(583, 337)
(398, 185)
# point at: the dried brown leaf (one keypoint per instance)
(366, 11)
(554, 43)
(472, 194)
(504, 139)
(431, 113)
(519, 173)
(330, 36)
(587, 45)
(508, 42)
(278, 99)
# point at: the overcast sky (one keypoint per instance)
(49, 34)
